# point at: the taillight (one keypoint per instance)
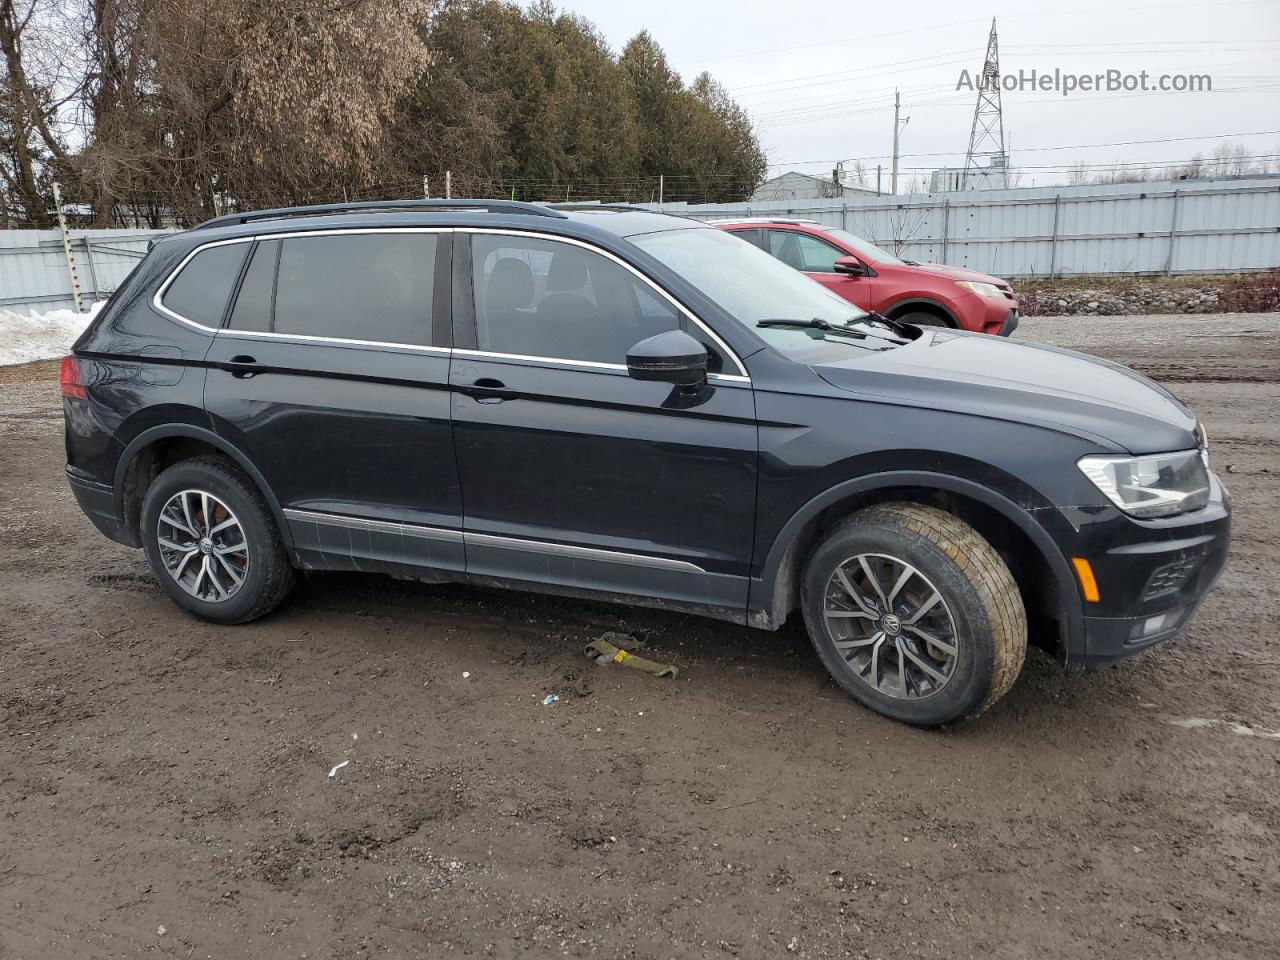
(70, 378)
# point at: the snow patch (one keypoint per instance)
(41, 336)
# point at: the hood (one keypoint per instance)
(957, 273)
(1024, 383)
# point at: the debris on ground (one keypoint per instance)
(603, 652)
(334, 772)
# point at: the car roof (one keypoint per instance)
(593, 222)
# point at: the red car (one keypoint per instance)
(926, 294)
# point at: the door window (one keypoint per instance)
(754, 235)
(804, 252)
(356, 286)
(200, 292)
(541, 298)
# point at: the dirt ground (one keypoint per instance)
(165, 785)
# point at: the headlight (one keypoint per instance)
(1160, 485)
(981, 289)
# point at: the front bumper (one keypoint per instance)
(1010, 323)
(1152, 577)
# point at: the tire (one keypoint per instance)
(921, 318)
(978, 602)
(249, 544)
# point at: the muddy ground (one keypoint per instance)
(165, 788)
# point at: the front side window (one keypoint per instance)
(803, 252)
(542, 298)
(358, 286)
(865, 247)
(200, 291)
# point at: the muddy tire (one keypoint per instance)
(213, 543)
(914, 613)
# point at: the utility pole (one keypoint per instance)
(448, 184)
(66, 246)
(426, 189)
(898, 127)
(986, 136)
(661, 185)
(879, 167)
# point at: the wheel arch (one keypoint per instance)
(157, 447)
(925, 305)
(1042, 572)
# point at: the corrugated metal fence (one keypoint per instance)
(33, 266)
(1200, 226)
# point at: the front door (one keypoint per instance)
(332, 376)
(817, 258)
(573, 473)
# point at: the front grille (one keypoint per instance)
(1170, 578)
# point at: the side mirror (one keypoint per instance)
(851, 266)
(671, 357)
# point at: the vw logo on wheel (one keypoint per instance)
(890, 624)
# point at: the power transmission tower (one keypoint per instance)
(986, 136)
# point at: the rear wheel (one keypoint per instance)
(212, 542)
(915, 614)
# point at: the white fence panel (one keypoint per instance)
(1195, 226)
(33, 266)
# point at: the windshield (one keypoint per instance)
(752, 287)
(864, 247)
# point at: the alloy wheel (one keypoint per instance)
(891, 625)
(202, 545)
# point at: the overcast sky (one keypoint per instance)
(818, 77)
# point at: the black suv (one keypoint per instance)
(624, 405)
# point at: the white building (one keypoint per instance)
(794, 185)
(950, 179)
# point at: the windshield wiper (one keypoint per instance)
(897, 326)
(817, 323)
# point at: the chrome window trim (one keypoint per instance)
(588, 364)
(157, 299)
(492, 540)
(343, 341)
(381, 526)
(662, 293)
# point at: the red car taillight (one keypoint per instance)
(70, 378)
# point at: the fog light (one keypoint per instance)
(1160, 623)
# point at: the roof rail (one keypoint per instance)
(384, 206)
(589, 205)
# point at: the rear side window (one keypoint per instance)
(201, 290)
(374, 286)
(754, 235)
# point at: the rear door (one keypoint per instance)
(574, 474)
(332, 376)
(817, 258)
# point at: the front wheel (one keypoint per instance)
(212, 542)
(915, 614)
(922, 318)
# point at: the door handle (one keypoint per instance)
(489, 390)
(242, 367)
